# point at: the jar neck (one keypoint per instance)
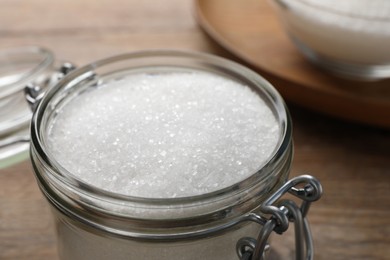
(159, 219)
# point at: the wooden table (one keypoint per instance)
(352, 220)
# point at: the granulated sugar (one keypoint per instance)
(164, 135)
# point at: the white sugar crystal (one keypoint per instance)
(164, 135)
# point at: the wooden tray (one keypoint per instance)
(250, 30)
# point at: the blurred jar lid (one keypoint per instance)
(19, 67)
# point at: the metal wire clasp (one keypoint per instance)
(34, 93)
(305, 187)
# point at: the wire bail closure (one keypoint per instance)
(34, 93)
(305, 187)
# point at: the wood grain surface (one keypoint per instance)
(250, 29)
(351, 221)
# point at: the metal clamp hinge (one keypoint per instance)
(34, 93)
(305, 187)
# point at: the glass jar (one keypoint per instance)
(230, 223)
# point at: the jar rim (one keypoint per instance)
(158, 219)
(67, 177)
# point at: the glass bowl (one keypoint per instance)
(347, 38)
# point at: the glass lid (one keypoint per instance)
(18, 67)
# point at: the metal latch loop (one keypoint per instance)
(34, 93)
(305, 187)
